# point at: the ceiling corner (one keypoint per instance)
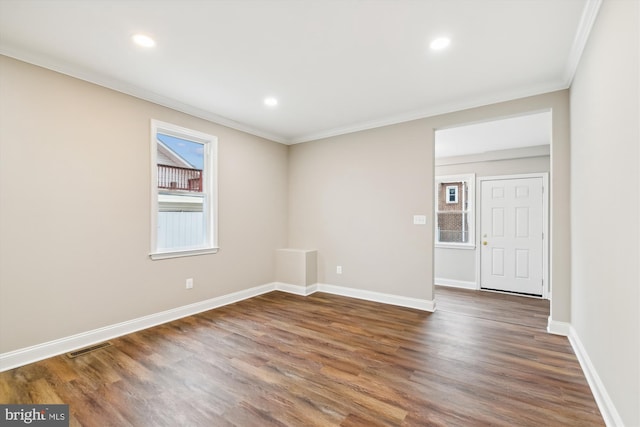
(587, 20)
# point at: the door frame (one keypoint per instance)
(546, 285)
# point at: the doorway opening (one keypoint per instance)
(513, 155)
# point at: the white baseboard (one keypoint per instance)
(295, 289)
(558, 328)
(42, 351)
(455, 283)
(416, 303)
(24, 356)
(420, 304)
(38, 352)
(27, 355)
(606, 406)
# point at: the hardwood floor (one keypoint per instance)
(496, 306)
(325, 360)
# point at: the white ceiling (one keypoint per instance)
(503, 134)
(335, 65)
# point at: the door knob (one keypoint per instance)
(484, 243)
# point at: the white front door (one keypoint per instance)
(511, 239)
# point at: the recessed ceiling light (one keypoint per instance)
(143, 40)
(440, 43)
(270, 102)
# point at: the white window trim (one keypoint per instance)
(471, 215)
(455, 198)
(210, 186)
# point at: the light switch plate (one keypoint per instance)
(420, 219)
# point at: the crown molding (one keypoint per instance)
(99, 79)
(587, 21)
(479, 101)
(585, 26)
(137, 92)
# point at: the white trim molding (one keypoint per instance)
(455, 283)
(24, 356)
(587, 20)
(558, 328)
(401, 301)
(109, 82)
(42, 351)
(419, 304)
(51, 63)
(603, 400)
(295, 289)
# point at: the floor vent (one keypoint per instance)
(88, 349)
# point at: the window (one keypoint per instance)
(452, 193)
(183, 188)
(455, 211)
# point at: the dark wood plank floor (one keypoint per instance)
(324, 360)
(501, 307)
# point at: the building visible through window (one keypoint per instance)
(452, 193)
(174, 170)
(454, 210)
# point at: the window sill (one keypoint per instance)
(179, 254)
(465, 246)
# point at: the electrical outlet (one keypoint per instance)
(189, 284)
(339, 269)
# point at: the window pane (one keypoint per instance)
(449, 198)
(454, 217)
(181, 221)
(180, 163)
(454, 208)
(190, 152)
(453, 227)
(452, 194)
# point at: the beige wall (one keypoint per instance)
(75, 210)
(460, 264)
(353, 198)
(74, 206)
(75, 250)
(605, 181)
(451, 264)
